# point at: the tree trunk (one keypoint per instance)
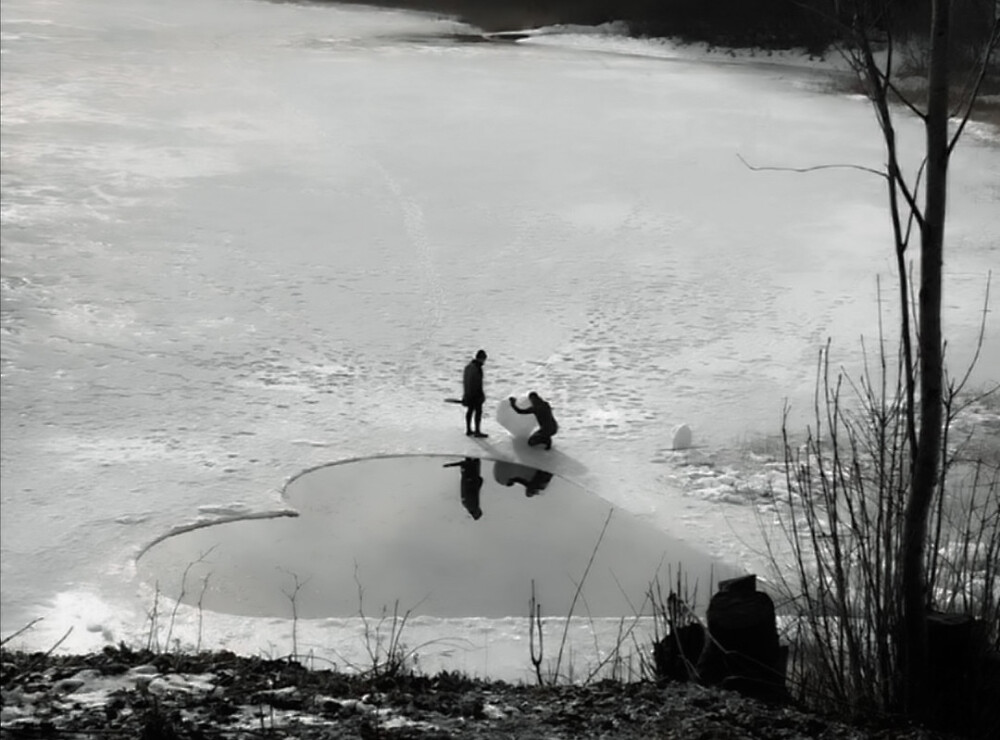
(926, 458)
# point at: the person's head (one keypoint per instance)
(534, 397)
(481, 355)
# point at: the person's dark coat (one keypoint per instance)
(472, 384)
(543, 415)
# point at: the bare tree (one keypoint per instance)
(876, 34)
(922, 353)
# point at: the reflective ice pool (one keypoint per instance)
(441, 536)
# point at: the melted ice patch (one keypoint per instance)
(444, 536)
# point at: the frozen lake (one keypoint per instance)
(244, 239)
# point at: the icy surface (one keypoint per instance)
(243, 239)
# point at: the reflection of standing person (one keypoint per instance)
(473, 395)
(547, 425)
(472, 482)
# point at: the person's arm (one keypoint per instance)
(513, 405)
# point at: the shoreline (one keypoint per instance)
(516, 25)
(220, 695)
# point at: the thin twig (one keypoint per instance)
(814, 168)
(21, 631)
(579, 588)
(991, 47)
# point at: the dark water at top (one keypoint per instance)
(445, 536)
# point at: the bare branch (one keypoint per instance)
(579, 588)
(908, 195)
(867, 69)
(815, 168)
(21, 631)
(914, 211)
(980, 339)
(878, 87)
(991, 48)
(40, 659)
(891, 86)
(905, 100)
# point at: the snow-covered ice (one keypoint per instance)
(244, 239)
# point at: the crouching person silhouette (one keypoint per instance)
(547, 425)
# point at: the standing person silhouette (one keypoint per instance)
(547, 425)
(473, 395)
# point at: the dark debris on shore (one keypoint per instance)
(206, 696)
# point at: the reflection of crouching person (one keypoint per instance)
(547, 426)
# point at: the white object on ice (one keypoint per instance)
(520, 426)
(682, 437)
